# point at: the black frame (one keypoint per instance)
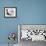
(10, 17)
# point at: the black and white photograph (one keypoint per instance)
(10, 12)
(31, 34)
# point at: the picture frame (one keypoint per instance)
(10, 12)
(37, 29)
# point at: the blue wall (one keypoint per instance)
(31, 11)
(28, 12)
(7, 25)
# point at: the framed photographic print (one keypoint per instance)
(10, 12)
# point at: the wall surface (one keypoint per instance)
(7, 25)
(28, 12)
(31, 11)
